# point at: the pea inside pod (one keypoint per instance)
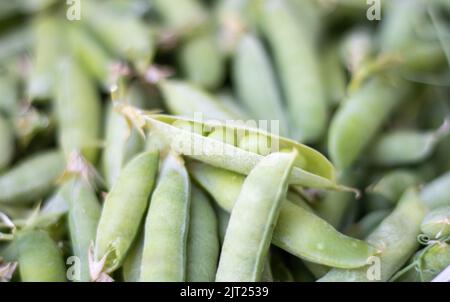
(436, 224)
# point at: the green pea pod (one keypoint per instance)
(361, 116)
(113, 28)
(223, 218)
(248, 237)
(312, 169)
(165, 243)
(394, 183)
(182, 14)
(367, 224)
(95, 59)
(6, 143)
(131, 269)
(299, 69)
(120, 221)
(48, 48)
(31, 179)
(10, 95)
(77, 112)
(395, 239)
(436, 224)
(401, 147)
(189, 100)
(298, 231)
(84, 214)
(121, 143)
(40, 259)
(333, 74)
(255, 82)
(203, 240)
(435, 194)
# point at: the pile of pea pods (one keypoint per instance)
(103, 102)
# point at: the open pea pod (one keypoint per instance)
(190, 138)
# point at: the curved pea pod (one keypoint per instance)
(367, 224)
(436, 193)
(393, 184)
(40, 259)
(299, 231)
(77, 112)
(6, 143)
(131, 269)
(189, 100)
(436, 224)
(299, 70)
(31, 179)
(95, 59)
(165, 243)
(124, 209)
(48, 48)
(401, 147)
(361, 116)
(203, 240)
(113, 29)
(395, 239)
(253, 219)
(121, 142)
(84, 214)
(256, 84)
(333, 74)
(312, 169)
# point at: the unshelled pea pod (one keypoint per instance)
(395, 239)
(120, 221)
(367, 224)
(333, 74)
(189, 100)
(361, 116)
(312, 169)
(6, 143)
(299, 231)
(436, 224)
(253, 219)
(31, 179)
(40, 259)
(167, 225)
(299, 69)
(131, 269)
(77, 112)
(203, 245)
(435, 193)
(83, 216)
(255, 82)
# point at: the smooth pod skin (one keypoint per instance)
(436, 224)
(131, 269)
(360, 117)
(223, 218)
(394, 183)
(395, 239)
(367, 224)
(31, 179)
(84, 214)
(203, 244)
(255, 82)
(333, 74)
(6, 143)
(436, 193)
(253, 219)
(299, 69)
(187, 100)
(167, 225)
(77, 112)
(40, 259)
(124, 209)
(299, 231)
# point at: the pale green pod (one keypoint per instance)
(361, 116)
(40, 259)
(316, 172)
(256, 84)
(131, 269)
(253, 219)
(84, 214)
(333, 74)
(436, 224)
(167, 225)
(6, 143)
(77, 112)
(394, 183)
(395, 239)
(297, 62)
(10, 95)
(31, 179)
(190, 101)
(367, 224)
(119, 222)
(203, 245)
(299, 231)
(184, 13)
(436, 193)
